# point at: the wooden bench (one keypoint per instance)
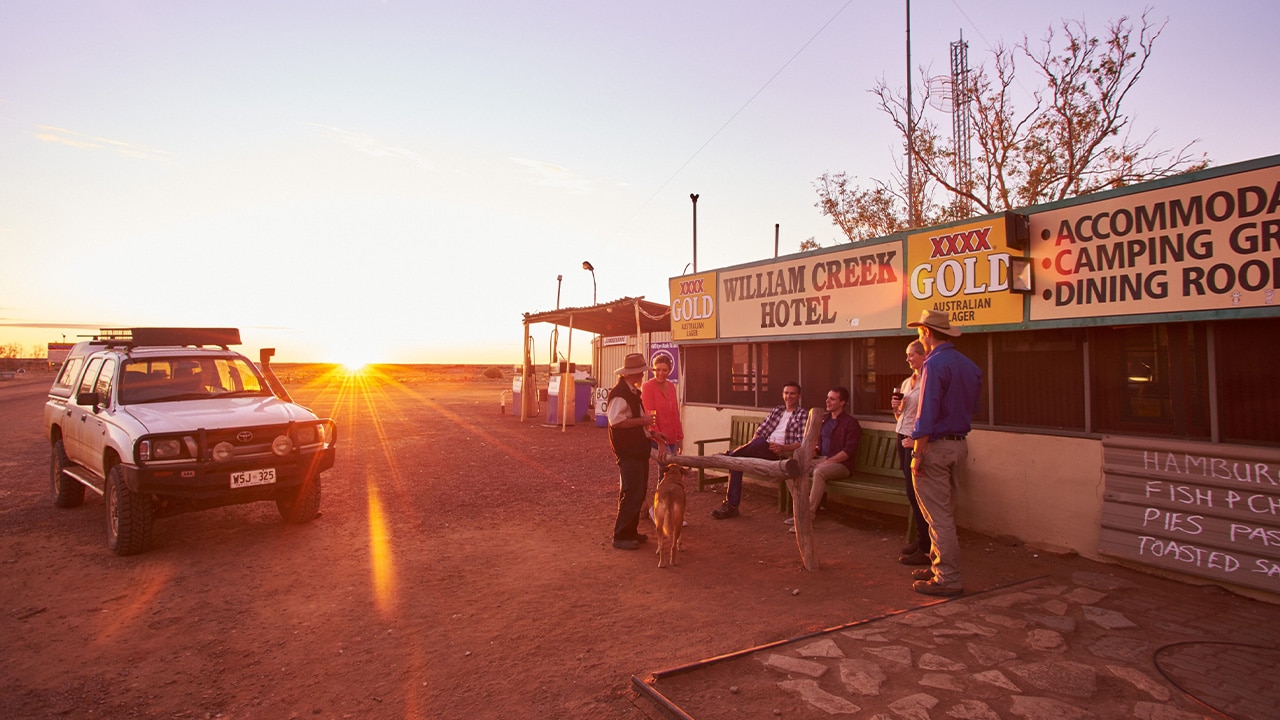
(877, 471)
(741, 429)
(877, 475)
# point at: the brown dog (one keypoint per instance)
(668, 513)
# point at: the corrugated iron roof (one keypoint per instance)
(617, 317)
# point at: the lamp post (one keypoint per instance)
(587, 266)
(559, 280)
(694, 198)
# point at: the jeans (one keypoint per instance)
(922, 525)
(633, 486)
(757, 448)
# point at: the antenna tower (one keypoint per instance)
(961, 95)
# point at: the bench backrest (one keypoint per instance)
(742, 428)
(877, 450)
(878, 453)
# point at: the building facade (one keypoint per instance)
(1129, 343)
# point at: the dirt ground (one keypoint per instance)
(461, 568)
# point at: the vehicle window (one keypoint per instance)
(105, 377)
(90, 376)
(193, 378)
(70, 369)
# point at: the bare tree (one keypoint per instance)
(1074, 140)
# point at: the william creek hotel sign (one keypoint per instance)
(1212, 244)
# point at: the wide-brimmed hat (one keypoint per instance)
(634, 365)
(937, 321)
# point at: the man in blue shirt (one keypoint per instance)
(950, 387)
(837, 451)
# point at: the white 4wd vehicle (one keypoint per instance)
(163, 421)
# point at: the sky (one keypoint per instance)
(392, 181)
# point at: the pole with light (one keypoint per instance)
(694, 198)
(587, 266)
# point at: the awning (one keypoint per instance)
(618, 317)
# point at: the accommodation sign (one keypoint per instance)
(856, 289)
(1201, 509)
(1207, 245)
(963, 271)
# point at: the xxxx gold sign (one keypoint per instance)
(859, 289)
(693, 307)
(964, 271)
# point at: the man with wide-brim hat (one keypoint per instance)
(950, 388)
(629, 438)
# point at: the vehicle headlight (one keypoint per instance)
(306, 434)
(166, 449)
(223, 452)
(282, 445)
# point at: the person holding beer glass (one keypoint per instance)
(905, 402)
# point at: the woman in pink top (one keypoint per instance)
(659, 396)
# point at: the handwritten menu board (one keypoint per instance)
(1207, 510)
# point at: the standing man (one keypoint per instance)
(629, 438)
(950, 385)
(838, 450)
(780, 433)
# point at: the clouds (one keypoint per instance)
(550, 175)
(373, 147)
(82, 141)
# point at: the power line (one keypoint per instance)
(731, 119)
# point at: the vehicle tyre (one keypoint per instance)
(130, 516)
(67, 492)
(301, 504)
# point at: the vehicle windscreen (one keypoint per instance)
(194, 378)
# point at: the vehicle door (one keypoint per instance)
(82, 420)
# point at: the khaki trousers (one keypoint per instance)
(936, 481)
(821, 474)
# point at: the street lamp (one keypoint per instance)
(587, 266)
(694, 198)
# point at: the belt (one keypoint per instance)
(949, 437)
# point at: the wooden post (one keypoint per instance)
(528, 378)
(800, 486)
(567, 388)
(777, 469)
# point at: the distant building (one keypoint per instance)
(57, 352)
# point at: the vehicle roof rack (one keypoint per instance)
(168, 337)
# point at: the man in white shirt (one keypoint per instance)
(780, 433)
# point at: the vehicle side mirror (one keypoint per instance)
(88, 398)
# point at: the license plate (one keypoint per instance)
(253, 477)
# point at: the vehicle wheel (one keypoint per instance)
(67, 493)
(301, 504)
(129, 516)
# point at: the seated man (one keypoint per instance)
(838, 449)
(780, 433)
